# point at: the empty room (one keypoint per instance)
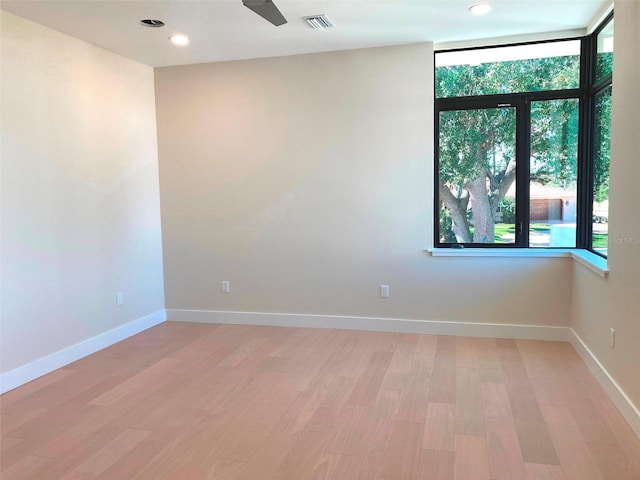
(304, 239)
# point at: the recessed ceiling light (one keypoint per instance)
(148, 22)
(480, 8)
(180, 40)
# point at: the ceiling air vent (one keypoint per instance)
(319, 22)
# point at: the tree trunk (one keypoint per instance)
(483, 223)
(500, 189)
(458, 211)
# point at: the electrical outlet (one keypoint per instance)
(612, 338)
(384, 291)
(225, 287)
(119, 299)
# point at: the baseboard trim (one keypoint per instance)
(31, 371)
(629, 411)
(26, 373)
(495, 330)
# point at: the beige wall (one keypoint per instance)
(306, 181)
(600, 304)
(80, 202)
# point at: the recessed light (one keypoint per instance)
(180, 40)
(148, 22)
(480, 8)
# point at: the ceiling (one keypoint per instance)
(225, 30)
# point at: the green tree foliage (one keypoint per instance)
(477, 167)
(554, 143)
(604, 64)
(477, 160)
(532, 75)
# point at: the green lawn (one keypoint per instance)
(600, 240)
(506, 228)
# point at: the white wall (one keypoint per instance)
(600, 304)
(307, 182)
(80, 201)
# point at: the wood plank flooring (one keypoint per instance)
(196, 401)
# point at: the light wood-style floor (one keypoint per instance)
(196, 401)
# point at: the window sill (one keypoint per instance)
(593, 262)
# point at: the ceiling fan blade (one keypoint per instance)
(267, 10)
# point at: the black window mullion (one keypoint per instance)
(523, 150)
(488, 101)
(436, 176)
(584, 210)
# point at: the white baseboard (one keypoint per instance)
(26, 373)
(45, 365)
(530, 332)
(629, 411)
(525, 332)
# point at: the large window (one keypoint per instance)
(600, 93)
(515, 163)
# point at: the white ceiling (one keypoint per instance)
(226, 30)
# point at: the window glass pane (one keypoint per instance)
(477, 167)
(601, 149)
(604, 55)
(553, 173)
(520, 68)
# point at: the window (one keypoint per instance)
(477, 170)
(601, 90)
(601, 146)
(511, 69)
(604, 51)
(513, 164)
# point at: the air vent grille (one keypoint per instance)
(319, 22)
